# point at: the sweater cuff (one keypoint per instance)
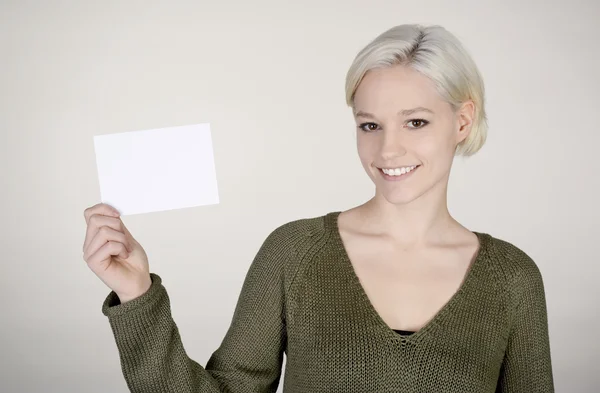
(112, 306)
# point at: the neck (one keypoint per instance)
(421, 222)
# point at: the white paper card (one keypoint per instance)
(156, 170)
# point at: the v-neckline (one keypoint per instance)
(470, 276)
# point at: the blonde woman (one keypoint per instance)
(393, 295)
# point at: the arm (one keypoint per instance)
(527, 366)
(250, 357)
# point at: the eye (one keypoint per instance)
(368, 127)
(423, 123)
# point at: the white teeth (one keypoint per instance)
(398, 171)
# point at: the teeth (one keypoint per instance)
(398, 171)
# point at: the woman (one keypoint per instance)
(393, 295)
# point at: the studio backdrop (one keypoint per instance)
(268, 76)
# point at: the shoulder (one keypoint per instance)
(300, 228)
(514, 267)
(287, 245)
(298, 234)
(512, 260)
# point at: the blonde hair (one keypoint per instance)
(436, 53)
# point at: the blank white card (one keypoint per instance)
(157, 170)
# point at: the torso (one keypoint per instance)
(407, 287)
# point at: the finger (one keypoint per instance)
(102, 209)
(97, 221)
(130, 239)
(105, 252)
(104, 235)
(126, 231)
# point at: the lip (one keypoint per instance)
(398, 178)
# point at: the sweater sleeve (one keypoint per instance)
(249, 359)
(527, 365)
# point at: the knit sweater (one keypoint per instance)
(302, 297)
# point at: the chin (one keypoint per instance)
(399, 198)
(398, 195)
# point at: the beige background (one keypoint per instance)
(269, 77)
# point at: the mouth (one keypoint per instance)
(398, 174)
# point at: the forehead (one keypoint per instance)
(395, 88)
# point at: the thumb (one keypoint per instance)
(128, 235)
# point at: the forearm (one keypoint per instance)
(151, 352)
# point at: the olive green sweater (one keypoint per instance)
(301, 297)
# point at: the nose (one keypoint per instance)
(392, 144)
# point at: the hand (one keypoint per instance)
(113, 254)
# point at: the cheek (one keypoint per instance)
(435, 148)
(366, 149)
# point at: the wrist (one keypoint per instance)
(124, 298)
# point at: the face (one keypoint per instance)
(406, 133)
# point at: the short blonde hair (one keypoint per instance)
(437, 54)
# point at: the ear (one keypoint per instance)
(465, 116)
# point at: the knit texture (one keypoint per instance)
(301, 297)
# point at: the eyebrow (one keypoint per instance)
(403, 112)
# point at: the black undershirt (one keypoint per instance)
(403, 332)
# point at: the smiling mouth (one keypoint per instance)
(395, 174)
